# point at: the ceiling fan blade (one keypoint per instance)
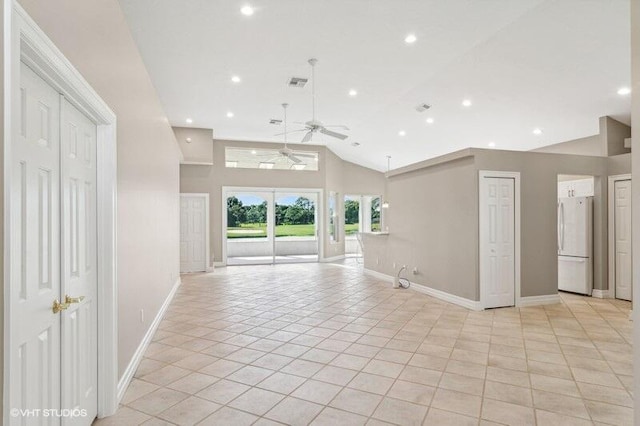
(307, 137)
(294, 159)
(303, 155)
(290, 131)
(340, 126)
(333, 134)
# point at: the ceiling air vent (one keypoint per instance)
(275, 121)
(297, 82)
(423, 107)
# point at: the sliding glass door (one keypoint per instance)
(271, 226)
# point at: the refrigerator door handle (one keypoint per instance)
(562, 225)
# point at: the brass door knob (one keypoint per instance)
(69, 300)
(59, 307)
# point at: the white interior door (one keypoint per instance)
(35, 250)
(497, 241)
(53, 352)
(622, 223)
(79, 272)
(193, 228)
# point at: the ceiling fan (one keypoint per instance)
(287, 153)
(314, 125)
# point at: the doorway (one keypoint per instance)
(362, 213)
(499, 238)
(268, 226)
(60, 277)
(620, 250)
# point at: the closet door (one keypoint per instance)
(35, 250)
(79, 274)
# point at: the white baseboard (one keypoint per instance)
(601, 294)
(474, 305)
(332, 259)
(123, 384)
(547, 299)
(438, 294)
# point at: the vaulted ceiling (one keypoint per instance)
(554, 65)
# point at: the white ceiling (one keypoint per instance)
(554, 64)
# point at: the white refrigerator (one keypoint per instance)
(575, 244)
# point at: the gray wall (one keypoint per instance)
(612, 134)
(200, 149)
(333, 174)
(590, 145)
(433, 220)
(94, 36)
(433, 225)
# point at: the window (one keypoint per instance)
(271, 159)
(333, 217)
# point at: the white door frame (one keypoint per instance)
(319, 213)
(25, 41)
(482, 174)
(207, 252)
(611, 201)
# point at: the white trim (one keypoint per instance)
(438, 294)
(474, 305)
(218, 265)
(123, 384)
(516, 176)
(209, 262)
(332, 259)
(195, 163)
(611, 231)
(25, 41)
(272, 190)
(601, 294)
(547, 299)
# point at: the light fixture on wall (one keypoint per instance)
(385, 202)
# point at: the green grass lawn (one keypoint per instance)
(259, 230)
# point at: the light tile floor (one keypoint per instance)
(324, 344)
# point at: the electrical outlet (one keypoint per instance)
(377, 260)
(142, 315)
(394, 266)
(415, 271)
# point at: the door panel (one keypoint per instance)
(79, 274)
(192, 233)
(497, 240)
(35, 239)
(622, 222)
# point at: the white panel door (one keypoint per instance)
(79, 273)
(193, 228)
(497, 242)
(622, 223)
(35, 240)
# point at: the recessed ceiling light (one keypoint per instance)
(402, 133)
(466, 103)
(254, 152)
(410, 39)
(266, 165)
(235, 79)
(430, 120)
(229, 114)
(188, 140)
(353, 92)
(189, 121)
(247, 10)
(537, 131)
(491, 144)
(624, 91)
